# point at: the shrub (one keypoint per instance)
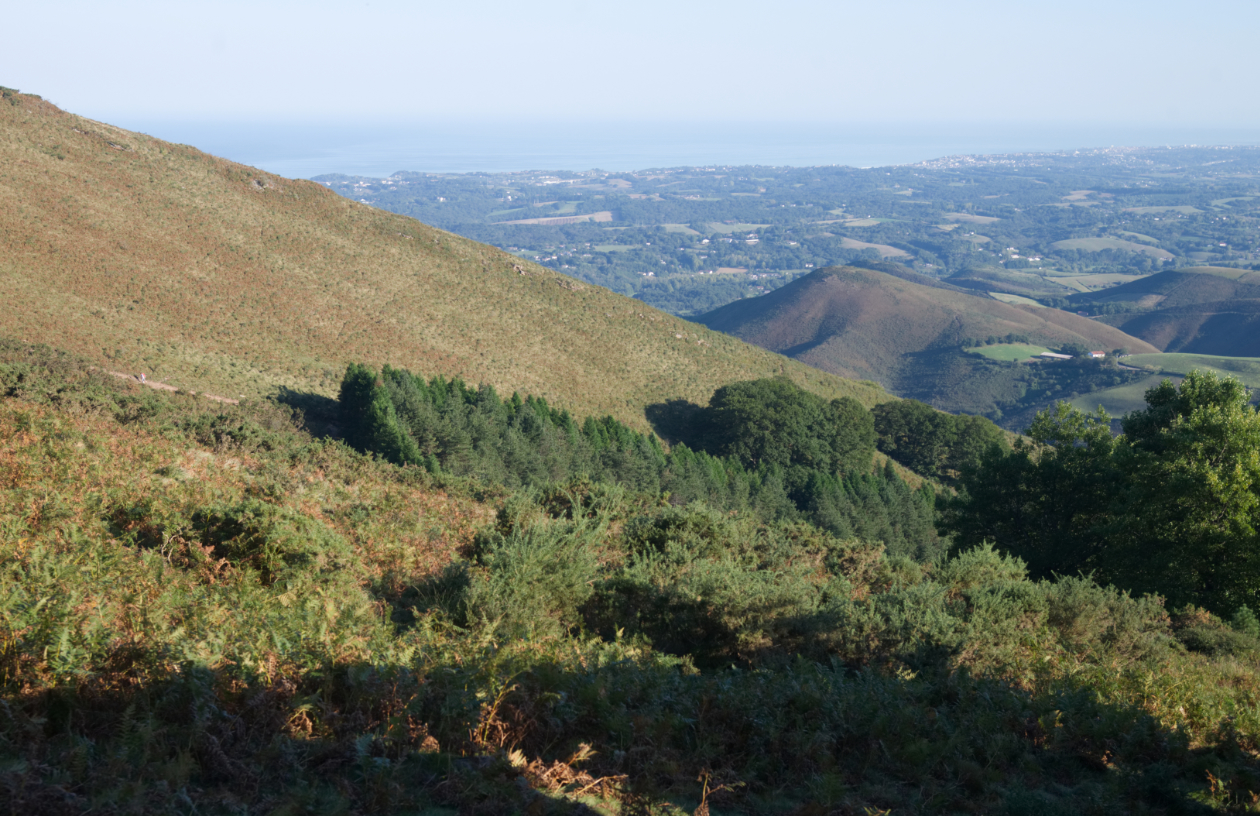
(530, 580)
(276, 542)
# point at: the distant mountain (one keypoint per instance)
(153, 257)
(1200, 310)
(908, 332)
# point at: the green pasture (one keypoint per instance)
(1246, 369)
(681, 228)
(884, 250)
(1014, 300)
(1146, 239)
(1008, 352)
(611, 248)
(1106, 279)
(1122, 399)
(1070, 281)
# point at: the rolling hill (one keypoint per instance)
(1200, 310)
(146, 256)
(908, 332)
(1013, 282)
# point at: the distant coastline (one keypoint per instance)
(304, 150)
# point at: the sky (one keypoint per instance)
(1154, 65)
(1111, 61)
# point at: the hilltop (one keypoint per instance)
(1199, 310)
(141, 255)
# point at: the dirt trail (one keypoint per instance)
(164, 387)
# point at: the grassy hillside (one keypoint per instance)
(909, 333)
(1200, 310)
(205, 610)
(1012, 282)
(1246, 369)
(152, 257)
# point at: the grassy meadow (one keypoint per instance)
(1015, 300)
(1121, 399)
(1246, 369)
(1008, 352)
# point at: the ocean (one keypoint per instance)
(309, 149)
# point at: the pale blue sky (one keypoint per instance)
(1138, 63)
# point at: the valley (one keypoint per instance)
(1043, 225)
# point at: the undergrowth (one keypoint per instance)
(204, 609)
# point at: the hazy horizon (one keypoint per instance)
(303, 149)
(1122, 64)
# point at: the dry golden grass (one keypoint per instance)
(155, 257)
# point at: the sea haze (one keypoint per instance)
(305, 150)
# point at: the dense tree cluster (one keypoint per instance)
(1170, 506)
(764, 445)
(932, 442)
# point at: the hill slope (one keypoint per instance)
(908, 332)
(863, 322)
(149, 256)
(1201, 310)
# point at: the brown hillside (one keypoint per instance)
(862, 322)
(1201, 310)
(150, 256)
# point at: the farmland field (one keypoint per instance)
(972, 219)
(1008, 352)
(1015, 300)
(1087, 283)
(1098, 244)
(1069, 281)
(1246, 369)
(885, 251)
(1146, 239)
(1122, 399)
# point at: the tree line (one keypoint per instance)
(765, 446)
